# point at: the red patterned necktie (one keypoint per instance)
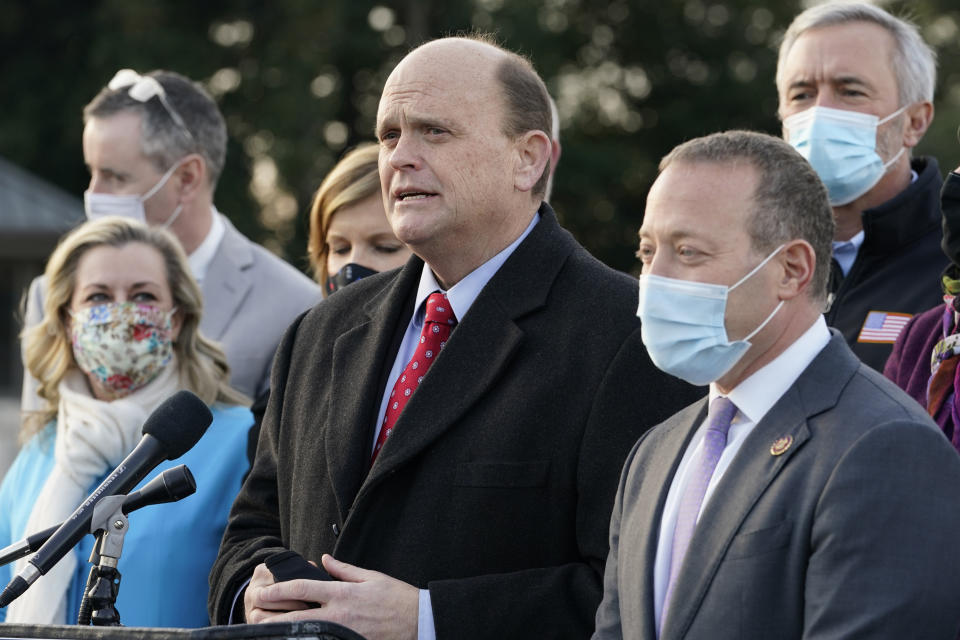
(437, 324)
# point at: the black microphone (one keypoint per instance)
(173, 484)
(170, 431)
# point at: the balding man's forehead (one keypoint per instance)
(439, 76)
(405, 90)
(450, 54)
(436, 103)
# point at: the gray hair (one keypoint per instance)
(790, 201)
(914, 61)
(527, 104)
(162, 140)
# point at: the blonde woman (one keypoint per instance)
(350, 236)
(119, 336)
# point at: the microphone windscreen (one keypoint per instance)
(179, 423)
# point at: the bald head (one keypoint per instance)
(478, 55)
(457, 66)
(463, 164)
(489, 72)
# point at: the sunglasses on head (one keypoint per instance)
(142, 88)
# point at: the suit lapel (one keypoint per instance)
(227, 281)
(667, 444)
(750, 473)
(362, 358)
(446, 391)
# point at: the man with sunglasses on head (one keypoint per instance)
(155, 146)
(856, 117)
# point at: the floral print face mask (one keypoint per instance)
(125, 345)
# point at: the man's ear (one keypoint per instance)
(798, 260)
(192, 175)
(918, 118)
(533, 152)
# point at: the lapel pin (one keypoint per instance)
(780, 445)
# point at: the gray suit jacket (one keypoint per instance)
(250, 297)
(849, 533)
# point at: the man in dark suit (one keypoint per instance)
(484, 512)
(814, 499)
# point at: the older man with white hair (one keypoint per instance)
(855, 86)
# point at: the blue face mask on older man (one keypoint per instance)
(841, 147)
(682, 326)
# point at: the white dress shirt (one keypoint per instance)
(460, 296)
(754, 397)
(202, 256)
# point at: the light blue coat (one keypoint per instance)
(169, 548)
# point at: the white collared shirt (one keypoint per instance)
(754, 397)
(202, 256)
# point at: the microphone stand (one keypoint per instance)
(110, 526)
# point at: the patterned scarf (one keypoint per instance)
(944, 372)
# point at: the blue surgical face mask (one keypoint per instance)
(683, 330)
(841, 147)
(100, 205)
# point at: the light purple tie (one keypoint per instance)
(721, 413)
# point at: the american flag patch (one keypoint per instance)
(883, 326)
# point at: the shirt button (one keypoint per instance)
(336, 529)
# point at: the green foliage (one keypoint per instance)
(299, 83)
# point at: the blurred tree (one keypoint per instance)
(299, 83)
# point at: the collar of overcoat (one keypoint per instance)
(478, 350)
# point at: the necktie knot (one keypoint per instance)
(438, 310)
(720, 415)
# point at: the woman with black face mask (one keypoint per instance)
(350, 236)
(925, 357)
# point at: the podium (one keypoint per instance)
(272, 631)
